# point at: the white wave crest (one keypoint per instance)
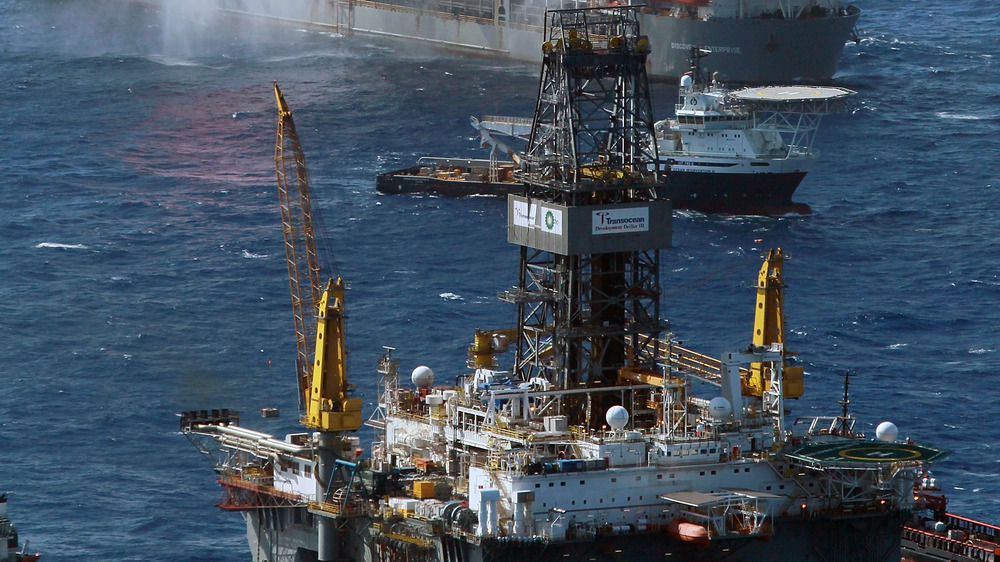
(61, 246)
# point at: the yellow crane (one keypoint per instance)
(769, 327)
(318, 312)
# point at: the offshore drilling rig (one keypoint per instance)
(594, 445)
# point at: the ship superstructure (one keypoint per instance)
(605, 439)
(741, 151)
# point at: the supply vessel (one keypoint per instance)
(754, 41)
(604, 439)
(729, 151)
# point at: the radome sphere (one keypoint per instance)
(422, 377)
(720, 408)
(617, 417)
(887, 432)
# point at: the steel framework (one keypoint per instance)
(582, 316)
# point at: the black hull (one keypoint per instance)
(407, 182)
(873, 538)
(738, 194)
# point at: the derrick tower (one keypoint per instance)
(591, 221)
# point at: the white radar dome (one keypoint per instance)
(887, 432)
(422, 377)
(617, 417)
(720, 408)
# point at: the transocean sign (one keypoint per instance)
(616, 221)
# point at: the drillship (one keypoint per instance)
(753, 41)
(605, 440)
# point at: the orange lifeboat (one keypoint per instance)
(687, 532)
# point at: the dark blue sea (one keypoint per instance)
(142, 271)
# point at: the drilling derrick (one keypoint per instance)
(591, 221)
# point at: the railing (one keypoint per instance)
(339, 509)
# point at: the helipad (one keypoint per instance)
(792, 93)
(865, 452)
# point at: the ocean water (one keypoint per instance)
(142, 267)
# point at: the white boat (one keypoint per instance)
(754, 41)
(743, 151)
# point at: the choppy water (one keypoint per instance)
(143, 274)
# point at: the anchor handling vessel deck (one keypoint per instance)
(604, 439)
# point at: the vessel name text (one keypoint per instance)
(713, 48)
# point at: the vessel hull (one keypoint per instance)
(275, 538)
(736, 193)
(765, 193)
(408, 182)
(744, 50)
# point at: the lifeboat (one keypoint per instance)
(687, 532)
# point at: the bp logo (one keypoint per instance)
(550, 220)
